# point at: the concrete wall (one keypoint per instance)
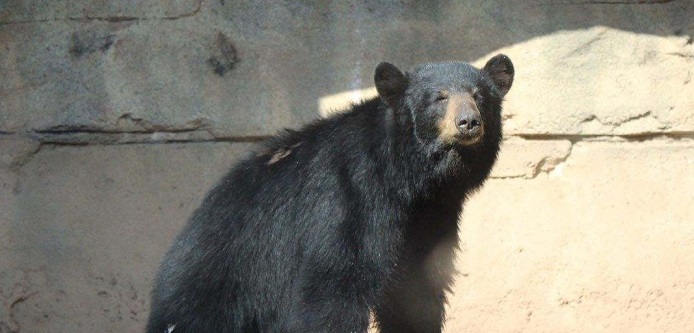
(117, 116)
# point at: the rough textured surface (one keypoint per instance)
(117, 116)
(601, 242)
(239, 69)
(36, 11)
(89, 229)
(527, 159)
(602, 246)
(610, 82)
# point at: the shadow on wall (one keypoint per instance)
(612, 67)
(413, 32)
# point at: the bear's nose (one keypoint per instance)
(469, 123)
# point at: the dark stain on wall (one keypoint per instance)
(224, 55)
(84, 43)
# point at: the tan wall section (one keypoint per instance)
(600, 244)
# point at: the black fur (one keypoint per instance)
(352, 213)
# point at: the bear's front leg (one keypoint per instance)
(412, 304)
(329, 313)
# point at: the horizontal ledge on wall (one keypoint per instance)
(78, 137)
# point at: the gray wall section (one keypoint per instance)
(88, 228)
(245, 69)
(117, 116)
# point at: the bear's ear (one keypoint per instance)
(500, 70)
(391, 83)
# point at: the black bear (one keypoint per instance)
(351, 215)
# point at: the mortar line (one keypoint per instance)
(110, 19)
(96, 137)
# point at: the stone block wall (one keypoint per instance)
(117, 116)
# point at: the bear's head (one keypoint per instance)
(450, 105)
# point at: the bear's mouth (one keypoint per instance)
(462, 141)
(471, 137)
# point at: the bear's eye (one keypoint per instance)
(477, 96)
(441, 97)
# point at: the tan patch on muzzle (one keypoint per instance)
(457, 104)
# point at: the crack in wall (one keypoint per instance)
(641, 137)
(142, 137)
(542, 157)
(618, 122)
(681, 55)
(548, 164)
(600, 36)
(16, 151)
(19, 291)
(126, 124)
(24, 157)
(110, 19)
(612, 125)
(101, 137)
(607, 2)
(14, 325)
